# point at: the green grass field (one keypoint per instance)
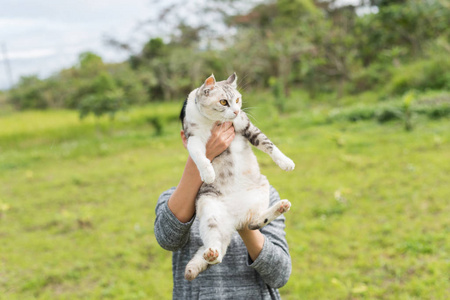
(370, 215)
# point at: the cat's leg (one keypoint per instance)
(216, 228)
(197, 151)
(258, 139)
(216, 236)
(270, 214)
(196, 265)
(214, 254)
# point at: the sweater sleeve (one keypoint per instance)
(274, 262)
(171, 233)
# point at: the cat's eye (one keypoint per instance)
(237, 100)
(223, 102)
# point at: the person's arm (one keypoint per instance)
(268, 250)
(182, 201)
(171, 233)
(176, 208)
(253, 240)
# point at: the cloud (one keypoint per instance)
(31, 54)
(43, 37)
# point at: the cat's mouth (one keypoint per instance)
(235, 114)
(232, 118)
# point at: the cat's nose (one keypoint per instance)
(236, 112)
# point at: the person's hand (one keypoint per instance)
(222, 134)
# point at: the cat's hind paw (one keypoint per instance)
(283, 206)
(212, 256)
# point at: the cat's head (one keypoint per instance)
(219, 101)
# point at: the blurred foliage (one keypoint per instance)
(319, 46)
(404, 109)
(421, 75)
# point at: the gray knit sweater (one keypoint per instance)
(237, 277)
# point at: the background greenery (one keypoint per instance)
(360, 102)
(282, 45)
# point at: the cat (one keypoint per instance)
(234, 194)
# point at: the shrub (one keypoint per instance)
(354, 114)
(158, 123)
(102, 103)
(388, 113)
(434, 108)
(430, 74)
(438, 112)
(368, 78)
(29, 93)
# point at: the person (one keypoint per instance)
(257, 262)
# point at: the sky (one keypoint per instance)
(43, 36)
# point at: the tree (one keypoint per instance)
(105, 98)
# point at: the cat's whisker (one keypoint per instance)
(253, 118)
(242, 86)
(249, 113)
(243, 77)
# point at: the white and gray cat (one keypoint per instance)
(234, 193)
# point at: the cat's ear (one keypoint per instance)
(232, 80)
(210, 82)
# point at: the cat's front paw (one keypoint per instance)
(285, 163)
(208, 175)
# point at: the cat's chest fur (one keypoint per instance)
(236, 168)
